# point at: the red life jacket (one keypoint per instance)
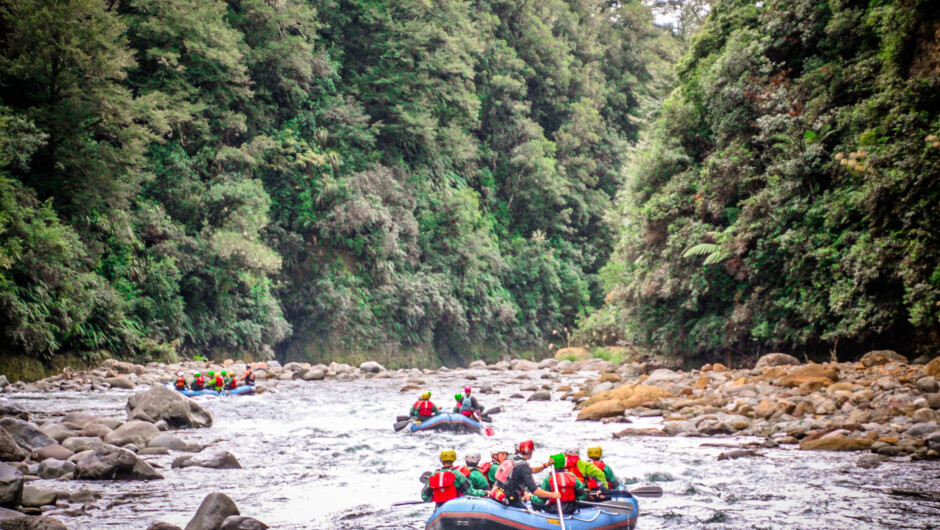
(571, 466)
(464, 470)
(218, 381)
(485, 468)
(566, 485)
(592, 482)
(467, 413)
(443, 486)
(180, 383)
(425, 407)
(201, 380)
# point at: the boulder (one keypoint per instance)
(135, 432)
(57, 431)
(120, 382)
(161, 403)
(240, 522)
(160, 525)
(662, 375)
(168, 441)
(13, 520)
(8, 408)
(479, 363)
(602, 409)
(11, 486)
(924, 415)
(836, 443)
(10, 451)
(874, 358)
(314, 374)
(810, 374)
(776, 359)
(572, 354)
(524, 365)
(541, 395)
(52, 451)
(869, 461)
(371, 367)
(38, 497)
(547, 364)
(921, 430)
(121, 367)
(738, 453)
(26, 434)
(933, 368)
(77, 444)
(933, 400)
(114, 463)
(51, 468)
(78, 418)
(928, 384)
(213, 511)
(213, 459)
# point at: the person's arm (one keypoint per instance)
(611, 478)
(426, 495)
(530, 485)
(580, 491)
(476, 405)
(434, 409)
(589, 469)
(464, 485)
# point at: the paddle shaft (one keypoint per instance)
(561, 514)
(408, 503)
(645, 491)
(624, 508)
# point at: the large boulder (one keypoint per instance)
(10, 451)
(135, 432)
(122, 367)
(601, 410)
(661, 376)
(933, 368)
(120, 382)
(8, 408)
(37, 497)
(810, 373)
(27, 435)
(240, 522)
(11, 486)
(161, 403)
(13, 520)
(776, 359)
(213, 459)
(874, 358)
(114, 463)
(836, 443)
(524, 365)
(314, 374)
(213, 511)
(57, 431)
(371, 367)
(51, 468)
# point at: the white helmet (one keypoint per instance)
(571, 451)
(473, 459)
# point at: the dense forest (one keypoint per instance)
(239, 177)
(788, 198)
(459, 179)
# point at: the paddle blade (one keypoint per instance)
(401, 425)
(489, 431)
(425, 477)
(494, 410)
(647, 491)
(625, 508)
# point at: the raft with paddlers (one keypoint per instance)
(447, 421)
(241, 390)
(482, 513)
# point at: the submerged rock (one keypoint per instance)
(240, 522)
(13, 520)
(541, 395)
(160, 525)
(213, 511)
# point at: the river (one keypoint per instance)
(323, 455)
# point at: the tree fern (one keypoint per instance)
(714, 252)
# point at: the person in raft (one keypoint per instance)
(595, 454)
(470, 402)
(199, 382)
(514, 482)
(459, 398)
(180, 382)
(583, 468)
(566, 484)
(424, 409)
(473, 473)
(489, 468)
(249, 377)
(447, 483)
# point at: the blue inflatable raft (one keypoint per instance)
(480, 513)
(447, 421)
(247, 389)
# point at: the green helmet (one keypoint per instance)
(211, 373)
(559, 461)
(458, 397)
(197, 374)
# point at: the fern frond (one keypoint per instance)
(701, 249)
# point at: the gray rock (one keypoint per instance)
(135, 432)
(52, 451)
(314, 374)
(161, 403)
(371, 367)
(168, 441)
(869, 461)
(78, 418)
(114, 463)
(85, 495)
(921, 430)
(601, 387)
(213, 511)
(162, 425)
(776, 359)
(120, 382)
(524, 365)
(51, 468)
(240, 522)
(933, 441)
(547, 363)
(37, 497)
(26, 434)
(9, 449)
(479, 363)
(96, 429)
(4, 382)
(8, 408)
(928, 384)
(888, 450)
(933, 400)
(714, 426)
(77, 444)
(160, 525)
(541, 395)
(11, 486)
(924, 415)
(663, 375)
(14, 520)
(57, 431)
(153, 451)
(213, 459)
(738, 453)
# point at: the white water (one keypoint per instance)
(323, 455)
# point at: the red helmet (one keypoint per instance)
(526, 447)
(466, 390)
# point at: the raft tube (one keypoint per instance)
(481, 513)
(246, 389)
(447, 421)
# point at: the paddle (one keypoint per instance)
(619, 507)
(645, 491)
(561, 514)
(401, 424)
(408, 503)
(489, 431)
(402, 418)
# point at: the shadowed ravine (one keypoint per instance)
(324, 456)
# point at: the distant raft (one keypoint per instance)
(447, 421)
(241, 390)
(481, 513)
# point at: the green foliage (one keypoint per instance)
(799, 155)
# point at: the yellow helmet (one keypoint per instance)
(595, 452)
(448, 456)
(426, 395)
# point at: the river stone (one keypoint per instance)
(933, 400)
(874, 358)
(869, 461)
(240, 522)
(213, 511)
(928, 384)
(738, 453)
(78, 418)
(933, 441)
(26, 434)
(836, 443)
(11, 486)
(523, 365)
(887, 382)
(52, 451)
(371, 367)
(57, 431)
(168, 441)
(924, 415)
(8, 408)
(37, 497)
(135, 432)
(541, 395)
(479, 363)
(160, 525)
(14, 520)
(51, 468)
(77, 444)
(314, 374)
(776, 359)
(9, 449)
(213, 459)
(662, 375)
(161, 403)
(121, 367)
(113, 463)
(920, 430)
(120, 382)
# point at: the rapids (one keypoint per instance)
(323, 455)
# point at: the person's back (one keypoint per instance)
(424, 409)
(595, 454)
(181, 383)
(447, 483)
(249, 377)
(199, 382)
(570, 488)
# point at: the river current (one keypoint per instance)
(323, 455)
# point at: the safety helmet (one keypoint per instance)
(472, 459)
(448, 456)
(197, 374)
(498, 451)
(466, 390)
(572, 451)
(558, 460)
(211, 373)
(426, 395)
(179, 374)
(526, 447)
(595, 452)
(458, 397)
